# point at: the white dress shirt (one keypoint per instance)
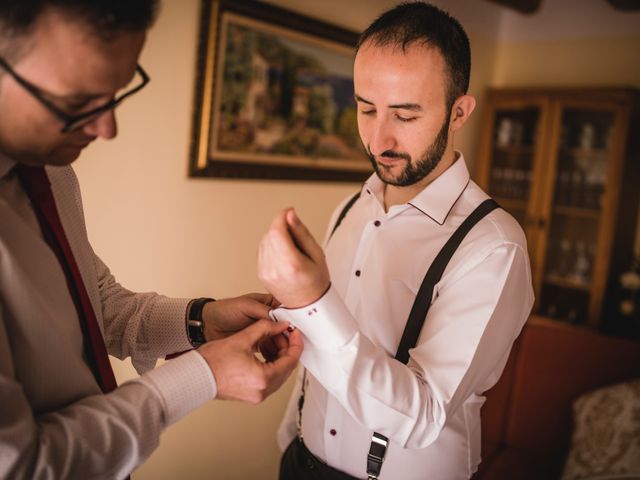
(55, 422)
(430, 408)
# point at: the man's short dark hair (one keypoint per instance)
(104, 17)
(424, 23)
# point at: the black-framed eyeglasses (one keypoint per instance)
(74, 122)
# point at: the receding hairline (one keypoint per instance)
(15, 44)
(403, 48)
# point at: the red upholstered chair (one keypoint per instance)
(527, 418)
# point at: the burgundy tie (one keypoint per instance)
(36, 184)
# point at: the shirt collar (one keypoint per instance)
(6, 164)
(438, 198)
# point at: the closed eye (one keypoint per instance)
(405, 119)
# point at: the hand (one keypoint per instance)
(239, 374)
(224, 317)
(270, 347)
(291, 264)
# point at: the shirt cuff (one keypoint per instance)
(327, 323)
(184, 384)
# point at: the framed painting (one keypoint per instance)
(274, 96)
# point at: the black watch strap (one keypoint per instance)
(195, 324)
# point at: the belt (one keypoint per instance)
(312, 467)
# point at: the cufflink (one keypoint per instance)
(274, 318)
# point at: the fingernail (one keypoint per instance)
(291, 328)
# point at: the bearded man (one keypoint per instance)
(379, 400)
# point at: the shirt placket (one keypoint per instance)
(334, 435)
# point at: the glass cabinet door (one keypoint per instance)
(574, 221)
(512, 158)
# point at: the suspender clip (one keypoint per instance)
(375, 458)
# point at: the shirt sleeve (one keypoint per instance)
(99, 436)
(461, 351)
(143, 326)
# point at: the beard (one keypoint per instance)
(414, 171)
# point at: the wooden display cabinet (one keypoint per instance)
(565, 163)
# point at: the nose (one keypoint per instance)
(104, 126)
(382, 138)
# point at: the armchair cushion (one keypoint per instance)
(606, 435)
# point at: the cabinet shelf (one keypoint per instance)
(511, 203)
(564, 282)
(514, 149)
(580, 212)
(578, 206)
(591, 153)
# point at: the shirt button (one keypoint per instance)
(358, 273)
(333, 432)
(377, 223)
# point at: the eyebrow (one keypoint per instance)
(72, 97)
(414, 107)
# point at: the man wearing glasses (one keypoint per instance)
(64, 66)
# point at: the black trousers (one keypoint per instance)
(298, 463)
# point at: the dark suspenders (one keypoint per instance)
(343, 213)
(417, 316)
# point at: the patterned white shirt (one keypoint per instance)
(54, 420)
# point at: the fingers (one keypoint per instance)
(280, 369)
(261, 330)
(275, 303)
(230, 315)
(278, 239)
(264, 298)
(296, 345)
(281, 344)
(302, 237)
(239, 374)
(256, 309)
(269, 349)
(277, 346)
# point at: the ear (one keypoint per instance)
(462, 108)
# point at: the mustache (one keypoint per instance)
(392, 154)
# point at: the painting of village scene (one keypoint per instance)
(283, 98)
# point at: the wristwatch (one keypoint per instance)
(195, 324)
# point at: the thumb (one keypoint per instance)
(302, 237)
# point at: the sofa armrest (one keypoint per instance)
(528, 414)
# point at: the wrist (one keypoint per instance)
(194, 321)
(307, 301)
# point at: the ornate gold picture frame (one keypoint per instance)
(274, 96)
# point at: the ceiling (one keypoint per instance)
(532, 6)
